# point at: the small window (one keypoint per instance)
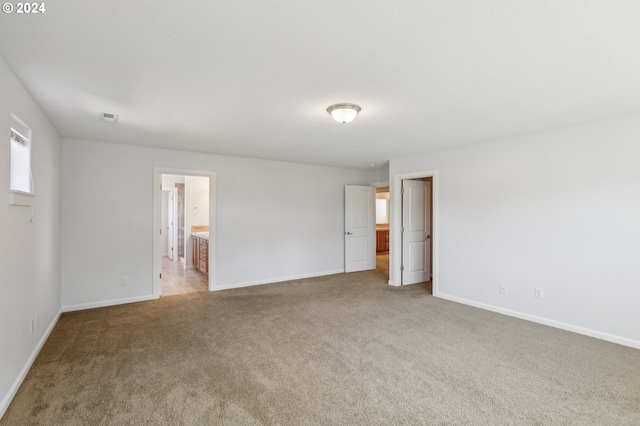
(382, 211)
(21, 180)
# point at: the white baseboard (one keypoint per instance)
(545, 321)
(6, 401)
(92, 305)
(393, 284)
(277, 280)
(165, 254)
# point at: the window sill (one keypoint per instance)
(19, 198)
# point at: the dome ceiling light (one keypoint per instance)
(343, 113)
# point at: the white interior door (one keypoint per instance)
(416, 231)
(360, 228)
(171, 223)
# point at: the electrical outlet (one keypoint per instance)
(503, 288)
(538, 293)
(124, 281)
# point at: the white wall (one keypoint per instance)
(275, 220)
(196, 201)
(558, 210)
(29, 251)
(380, 175)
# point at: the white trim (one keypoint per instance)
(20, 198)
(545, 321)
(395, 239)
(113, 302)
(157, 205)
(278, 280)
(6, 401)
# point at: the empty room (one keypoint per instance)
(411, 212)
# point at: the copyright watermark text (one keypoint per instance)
(30, 8)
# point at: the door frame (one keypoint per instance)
(412, 188)
(395, 236)
(157, 205)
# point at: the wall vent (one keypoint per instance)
(109, 118)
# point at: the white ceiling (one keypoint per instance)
(254, 78)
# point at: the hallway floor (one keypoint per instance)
(382, 263)
(178, 280)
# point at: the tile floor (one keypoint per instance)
(178, 280)
(382, 262)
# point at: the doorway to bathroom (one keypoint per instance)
(382, 230)
(184, 243)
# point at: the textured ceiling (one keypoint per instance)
(254, 78)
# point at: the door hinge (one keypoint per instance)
(160, 275)
(402, 229)
(160, 231)
(402, 268)
(402, 191)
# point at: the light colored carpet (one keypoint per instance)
(342, 350)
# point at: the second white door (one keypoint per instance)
(416, 231)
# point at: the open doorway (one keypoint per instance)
(186, 225)
(382, 230)
(414, 230)
(184, 243)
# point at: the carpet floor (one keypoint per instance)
(338, 350)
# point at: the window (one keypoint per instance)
(21, 180)
(382, 211)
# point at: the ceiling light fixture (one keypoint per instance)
(343, 113)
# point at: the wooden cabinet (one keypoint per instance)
(203, 261)
(382, 240)
(201, 254)
(195, 252)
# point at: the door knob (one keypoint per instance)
(428, 236)
(347, 233)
